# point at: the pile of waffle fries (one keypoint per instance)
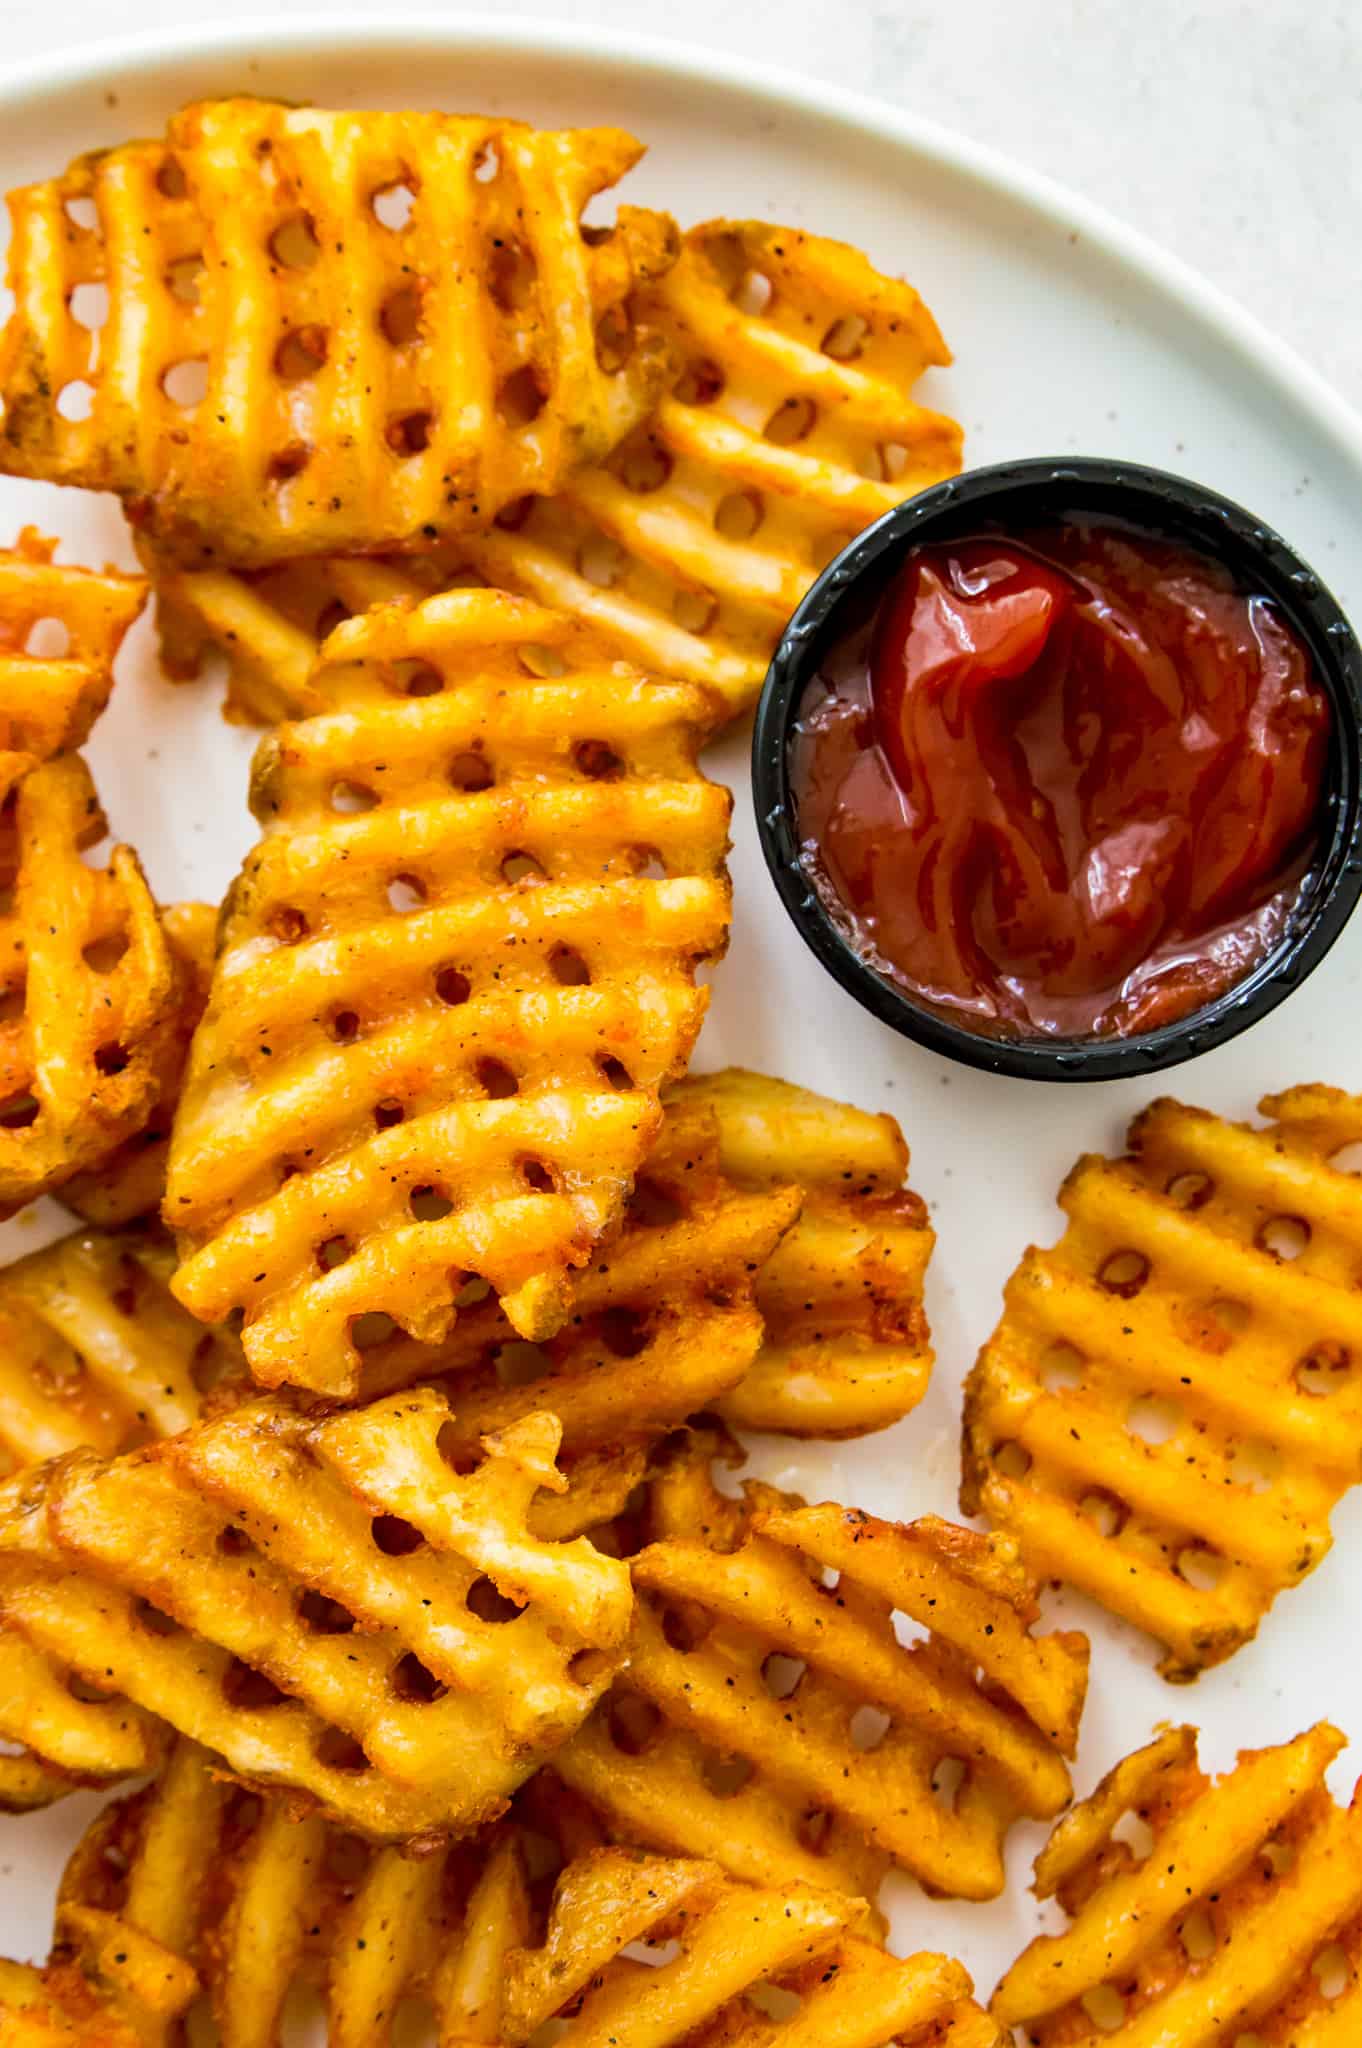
(369, 1450)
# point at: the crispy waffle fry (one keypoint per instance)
(184, 1894)
(731, 1966)
(60, 630)
(1170, 1406)
(847, 1346)
(92, 989)
(326, 1604)
(438, 1026)
(65, 1732)
(1242, 1923)
(782, 1728)
(663, 1324)
(792, 427)
(131, 1181)
(95, 1350)
(266, 625)
(324, 330)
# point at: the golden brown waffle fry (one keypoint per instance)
(1171, 1404)
(286, 330)
(781, 1727)
(847, 1346)
(1234, 1918)
(454, 973)
(732, 1967)
(95, 1350)
(65, 1731)
(60, 630)
(792, 427)
(267, 624)
(663, 1324)
(327, 1605)
(131, 1181)
(92, 991)
(186, 1897)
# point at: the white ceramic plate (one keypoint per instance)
(1069, 335)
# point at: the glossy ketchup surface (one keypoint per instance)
(1065, 783)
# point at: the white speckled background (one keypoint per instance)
(1229, 130)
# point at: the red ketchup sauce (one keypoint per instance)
(1065, 783)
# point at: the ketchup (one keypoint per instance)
(1066, 783)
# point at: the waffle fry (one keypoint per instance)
(325, 1604)
(60, 630)
(847, 1346)
(1241, 1923)
(791, 427)
(347, 331)
(732, 1965)
(663, 1324)
(1169, 1408)
(64, 1732)
(92, 988)
(130, 1183)
(782, 1728)
(183, 1897)
(266, 625)
(95, 1351)
(438, 1026)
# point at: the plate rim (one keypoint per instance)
(347, 33)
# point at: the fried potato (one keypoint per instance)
(325, 330)
(1241, 1921)
(326, 1604)
(663, 1324)
(131, 1181)
(92, 988)
(95, 1351)
(265, 625)
(187, 1900)
(454, 974)
(60, 629)
(782, 1728)
(790, 426)
(64, 1731)
(1170, 1406)
(847, 1348)
(734, 1964)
